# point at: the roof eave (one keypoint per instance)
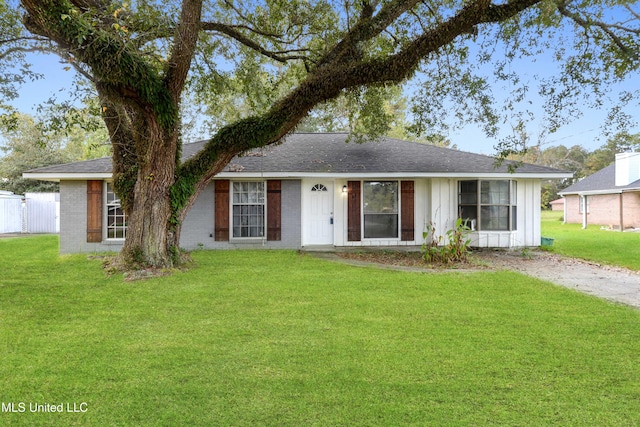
(56, 177)
(347, 175)
(62, 176)
(598, 192)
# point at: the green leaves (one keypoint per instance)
(30, 144)
(452, 247)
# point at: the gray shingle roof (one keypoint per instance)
(602, 181)
(102, 165)
(330, 153)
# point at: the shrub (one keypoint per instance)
(447, 249)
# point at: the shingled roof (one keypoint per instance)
(603, 181)
(330, 153)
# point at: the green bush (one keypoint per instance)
(447, 249)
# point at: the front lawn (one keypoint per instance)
(592, 243)
(276, 338)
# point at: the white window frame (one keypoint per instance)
(112, 202)
(233, 204)
(363, 209)
(511, 205)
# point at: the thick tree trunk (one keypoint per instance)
(152, 240)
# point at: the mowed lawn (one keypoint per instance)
(276, 338)
(593, 243)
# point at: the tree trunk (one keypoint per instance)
(152, 240)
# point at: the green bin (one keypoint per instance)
(546, 241)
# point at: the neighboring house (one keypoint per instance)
(557, 205)
(609, 197)
(318, 190)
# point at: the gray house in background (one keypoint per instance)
(609, 197)
(319, 190)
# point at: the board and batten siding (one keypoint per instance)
(443, 212)
(411, 217)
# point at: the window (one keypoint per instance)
(488, 204)
(319, 187)
(116, 219)
(248, 209)
(380, 202)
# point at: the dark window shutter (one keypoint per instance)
(221, 210)
(407, 206)
(94, 211)
(274, 209)
(353, 211)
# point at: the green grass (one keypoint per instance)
(592, 243)
(275, 338)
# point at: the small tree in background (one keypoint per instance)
(29, 145)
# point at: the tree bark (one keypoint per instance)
(152, 240)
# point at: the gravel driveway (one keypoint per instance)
(612, 283)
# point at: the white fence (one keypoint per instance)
(10, 213)
(33, 213)
(42, 213)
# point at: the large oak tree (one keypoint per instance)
(275, 60)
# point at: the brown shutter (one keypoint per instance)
(407, 206)
(353, 211)
(94, 211)
(222, 210)
(274, 214)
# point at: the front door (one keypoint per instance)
(319, 213)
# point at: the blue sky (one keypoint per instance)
(586, 131)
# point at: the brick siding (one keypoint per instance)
(604, 209)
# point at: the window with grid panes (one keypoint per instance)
(116, 219)
(248, 209)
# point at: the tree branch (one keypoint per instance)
(632, 12)
(604, 27)
(184, 46)
(366, 28)
(230, 31)
(327, 83)
(105, 53)
(85, 5)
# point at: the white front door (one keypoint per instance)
(318, 213)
